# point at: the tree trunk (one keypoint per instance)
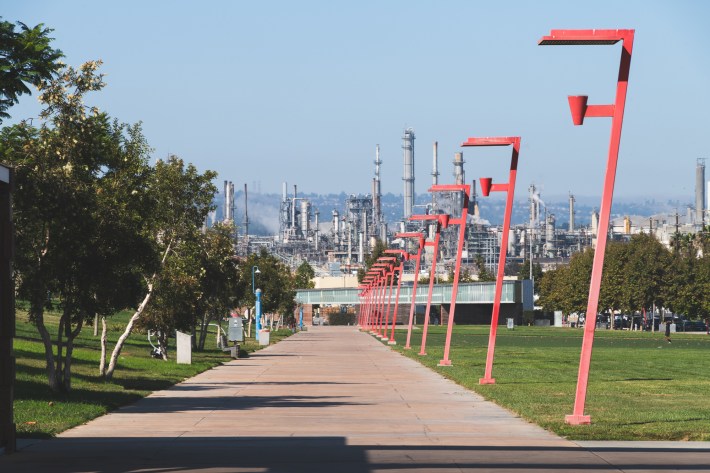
(37, 312)
(71, 335)
(163, 344)
(203, 332)
(129, 328)
(102, 362)
(96, 325)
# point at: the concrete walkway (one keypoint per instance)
(330, 400)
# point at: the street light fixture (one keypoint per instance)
(254, 270)
(461, 222)
(421, 240)
(580, 110)
(442, 221)
(487, 186)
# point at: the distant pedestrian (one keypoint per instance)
(668, 331)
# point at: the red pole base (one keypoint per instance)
(422, 353)
(445, 363)
(487, 381)
(391, 342)
(574, 419)
(407, 348)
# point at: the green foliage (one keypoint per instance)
(339, 318)
(303, 279)
(484, 274)
(25, 58)
(524, 273)
(275, 281)
(637, 275)
(377, 251)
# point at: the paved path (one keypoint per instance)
(329, 400)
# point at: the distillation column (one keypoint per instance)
(700, 192)
(408, 147)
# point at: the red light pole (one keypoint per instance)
(389, 273)
(418, 257)
(580, 110)
(385, 268)
(404, 256)
(442, 221)
(461, 221)
(509, 188)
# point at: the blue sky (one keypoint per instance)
(302, 91)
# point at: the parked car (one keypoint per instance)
(691, 326)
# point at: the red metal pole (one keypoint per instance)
(509, 189)
(432, 277)
(617, 113)
(390, 273)
(466, 189)
(420, 239)
(400, 268)
(404, 256)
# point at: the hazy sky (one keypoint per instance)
(302, 91)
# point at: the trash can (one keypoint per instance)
(511, 323)
(264, 337)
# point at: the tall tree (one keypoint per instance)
(484, 274)
(72, 251)
(275, 281)
(26, 57)
(303, 279)
(183, 198)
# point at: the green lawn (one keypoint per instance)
(40, 413)
(640, 386)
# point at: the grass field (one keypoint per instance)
(40, 413)
(640, 386)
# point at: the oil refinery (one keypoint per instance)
(336, 240)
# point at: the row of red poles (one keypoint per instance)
(378, 316)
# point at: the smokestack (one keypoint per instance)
(293, 208)
(246, 213)
(408, 147)
(459, 174)
(435, 172)
(225, 210)
(571, 212)
(700, 192)
(376, 193)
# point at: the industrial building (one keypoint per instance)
(338, 247)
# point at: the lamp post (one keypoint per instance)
(404, 256)
(461, 222)
(375, 298)
(258, 312)
(386, 267)
(418, 257)
(442, 221)
(389, 273)
(487, 187)
(370, 280)
(254, 269)
(257, 316)
(580, 110)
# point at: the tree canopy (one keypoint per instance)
(26, 57)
